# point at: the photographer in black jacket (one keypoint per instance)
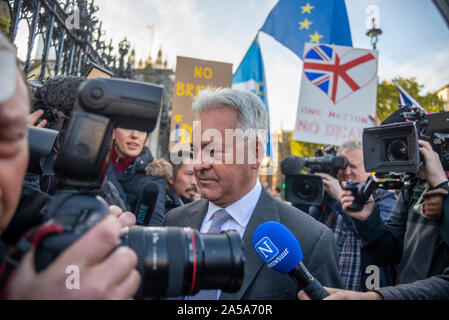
(353, 260)
(105, 272)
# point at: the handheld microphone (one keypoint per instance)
(280, 251)
(146, 203)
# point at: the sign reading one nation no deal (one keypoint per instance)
(192, 76)
(338, 93)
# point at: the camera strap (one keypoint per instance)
(12, 255)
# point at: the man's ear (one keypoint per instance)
(113, 134)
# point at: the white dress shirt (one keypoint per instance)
(240, 211)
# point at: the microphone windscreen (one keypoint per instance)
(146, 203)
(291, 165)
(277, 246)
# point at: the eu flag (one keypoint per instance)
(295, 22)
(250, 76)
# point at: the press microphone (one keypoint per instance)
(280, 251)
(146, 203)
(292, 165)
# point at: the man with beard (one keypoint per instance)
(184, 181)
(182, 187)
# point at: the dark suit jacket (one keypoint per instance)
(316, 240)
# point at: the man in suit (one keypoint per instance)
(233, 127)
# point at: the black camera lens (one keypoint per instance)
(307, 189)
(181, 261)
(397, 150)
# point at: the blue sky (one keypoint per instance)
(414, 43)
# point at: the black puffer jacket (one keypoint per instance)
(130, 182)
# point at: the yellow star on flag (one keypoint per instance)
(259, 89)
(178, 118)
(307, 8)
(305, 24)
(315, 37)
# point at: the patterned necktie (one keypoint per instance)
(220, 218)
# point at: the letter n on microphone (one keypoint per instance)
(267, 250)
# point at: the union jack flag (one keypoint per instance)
(334, 74)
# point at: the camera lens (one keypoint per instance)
(307, 189)
(397, 150)
(181, 261)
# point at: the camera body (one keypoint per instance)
(304, 189)
(361, 193)
(393, 147)
(103, 104)
(307, 189)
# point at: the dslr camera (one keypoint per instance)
(393, 146)
(361, 193)
(307, 189)
(171, 261)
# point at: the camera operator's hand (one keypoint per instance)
(433, 204)
(339, 294)
(103, 273)
(346, 201)
(331, 185)
(433, 168)
(34, 117)
(126, 219)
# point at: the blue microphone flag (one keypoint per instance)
(277, 246)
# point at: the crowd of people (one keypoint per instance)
(406, 236)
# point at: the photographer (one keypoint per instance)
(104, 273)
(353, 261)
(52, 105)
(415, 235)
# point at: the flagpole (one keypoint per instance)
(255, 38)
(151, 40)
(257, 34)
(405, 93)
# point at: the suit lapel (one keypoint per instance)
(192, 218)
(266, 210)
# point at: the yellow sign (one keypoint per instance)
(192, 76)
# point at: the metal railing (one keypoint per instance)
(71, 28)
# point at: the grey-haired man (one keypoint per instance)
(227, 177)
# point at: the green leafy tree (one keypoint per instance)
(387, 97)
(4, 25)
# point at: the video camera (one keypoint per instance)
(307, 189)
(393, 146)
(171, 261)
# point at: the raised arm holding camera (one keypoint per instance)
(104, 274)
(416, 235)
(353, 261)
